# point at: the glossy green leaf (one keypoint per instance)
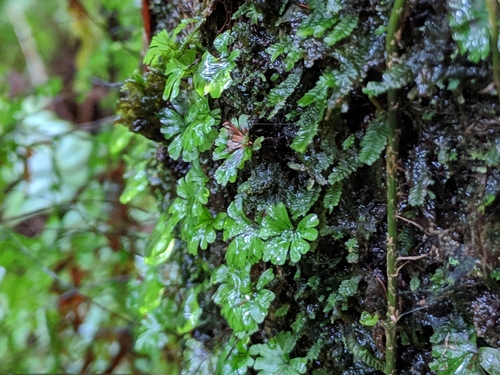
(161, 47)
(235, 358)
(215, 72)
(489, 359)
(265, 278)
(243, 306)
(347, 288)
(347, 164)
(274, 356)
(276, 224)
(275, 221)
(363, 354)
(469, 26)
(246, 246)
(368, 319)
(320, 91)
(136, 183)
(316, 25)
(234, 145)
(191, 312)
(299, 202)
(160, 243)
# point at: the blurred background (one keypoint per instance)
(69, 228)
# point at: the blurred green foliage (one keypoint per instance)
(69, 244)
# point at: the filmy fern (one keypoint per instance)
(395, 78)
(347, 164)
(277, 96)
(342, 29)
(374, 140)
(308, 127)
(332, 196)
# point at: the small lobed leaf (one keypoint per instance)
(273, 357)
(265, 278)
(228, 171)
(191, 312)
(368, 319)
(276, 250)
(162, 45)
(298, 247)
(275, 221)
(242, 306)
(469, 26)
(306, 227)
(489, 359)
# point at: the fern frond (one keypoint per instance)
(161, 46)
(421, 180)
(374, 141)
(320, 91)
(308, 124)
(332, 196)
(398, 76)
(342, 29)
(278, 95)
(346, 166)
(315, 349)
(299, 202)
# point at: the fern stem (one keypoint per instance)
(491, 5)
(392, 199)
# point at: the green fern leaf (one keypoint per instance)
(469, 26)
(308, 124)
(162, 46)
(332, 196)
(320, 91)
(374, 140)
(299, 202)
(277, 49)
(421, 179)
(346, 166)
(278, 95)
(316, 25)
(395, 78)
(364, 354)
(342, 29)
(315, 350)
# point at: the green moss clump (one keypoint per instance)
(141, 102)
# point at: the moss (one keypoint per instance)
(141, 102)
